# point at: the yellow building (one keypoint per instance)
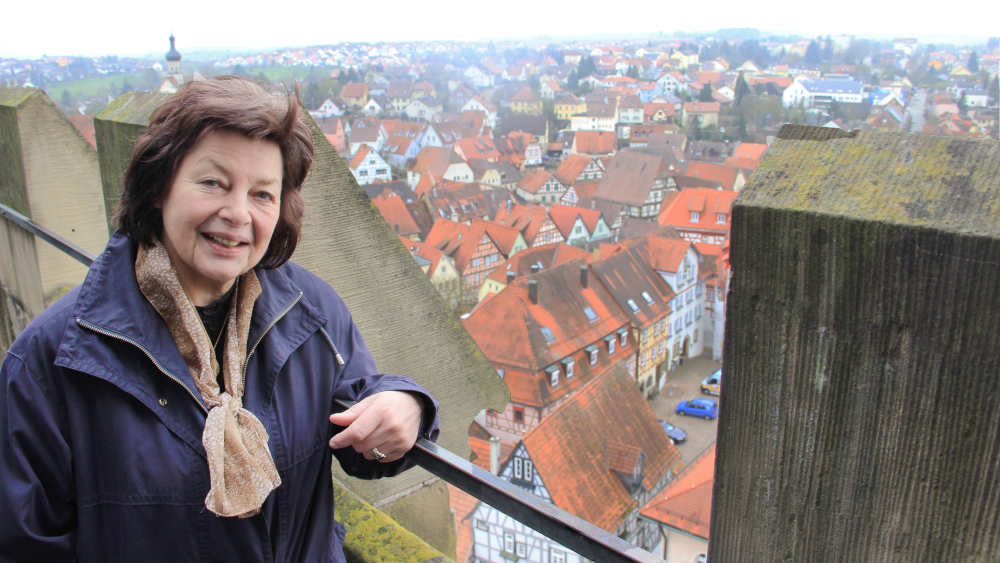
(526, 101)
(568, 106)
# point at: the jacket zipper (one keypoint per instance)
(243, 378)
(156, 363)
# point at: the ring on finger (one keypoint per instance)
(377, 454)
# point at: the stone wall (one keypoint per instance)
(54, 180)
(860, 418)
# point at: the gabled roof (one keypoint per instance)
(533, 181)
(686, 503)
(435, 160)
(503, 236)
(456, 240)
(528, 219)
(354, 90)
(676, 211)
(424, 250)
(545, 256)
(395, 213)
(631, 279)
(508, 326)
(595, 142)
(565, 216)
(397, 145)
(477, 147)
(571, 167)
(573, 449)
(724, 174)
(359, 157)
(630, 176)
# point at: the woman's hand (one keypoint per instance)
(388, 421)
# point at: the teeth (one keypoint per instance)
(222, 241)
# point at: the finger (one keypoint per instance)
(357, 433)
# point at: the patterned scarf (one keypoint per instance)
(240, 466)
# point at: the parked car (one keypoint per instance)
(675, 434)
(705, 408)
(712, 384)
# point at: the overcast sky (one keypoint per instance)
(32, 28)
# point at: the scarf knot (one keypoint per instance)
(240, 466)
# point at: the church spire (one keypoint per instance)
(173, 58)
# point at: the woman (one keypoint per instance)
(177, 405)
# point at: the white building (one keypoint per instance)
(820, 93)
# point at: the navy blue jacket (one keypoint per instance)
(100, 426)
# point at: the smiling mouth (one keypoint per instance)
(223, 241)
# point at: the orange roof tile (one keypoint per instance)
(708, 202)
(359, 156)
(576, 451)
(533, 181)
(594, 142)
(722, 173)
(686, 503)
(571, 168)
(393, 210)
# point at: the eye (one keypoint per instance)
(266, 195)
(210, 182)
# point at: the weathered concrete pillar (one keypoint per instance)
(50, 174)
(860, 418)
(408, 327)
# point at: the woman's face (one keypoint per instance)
(221, 210)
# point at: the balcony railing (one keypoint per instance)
(586, 539)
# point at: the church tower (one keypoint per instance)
(173, 58)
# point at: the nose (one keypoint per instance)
(236, 209)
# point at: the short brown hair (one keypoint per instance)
(222, 103)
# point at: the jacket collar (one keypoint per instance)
(110, 301)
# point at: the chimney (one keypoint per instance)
(533, 291)
(583, 276)
(534, 268)
(494, 455)
(510, 277)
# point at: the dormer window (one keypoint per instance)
(553, 372)
(592, 352)
(647, 298)
(568, 367)
(623, 336)
(695, 216)
(720, 218)
(633, 306)
(610, 339)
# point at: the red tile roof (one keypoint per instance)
(571, 168)
(564, 217)
(548, 255)
(528, 219)
(507, 328)
(676, 211)
(85, 125)
(724, 174)
(686, 503)
(533, 181)
(359, 157)
(577, 449)
(594, 142)
(393, 210)
(629, 177)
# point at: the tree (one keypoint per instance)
(742, 89)
(705, 95)
(633, 72)
(973, 62)
(573, 80)
(586, 66)
(813, 54)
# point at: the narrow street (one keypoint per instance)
(682, 384)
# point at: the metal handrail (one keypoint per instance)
(571, 531)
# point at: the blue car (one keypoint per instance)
(705, 408)
(675, 434)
